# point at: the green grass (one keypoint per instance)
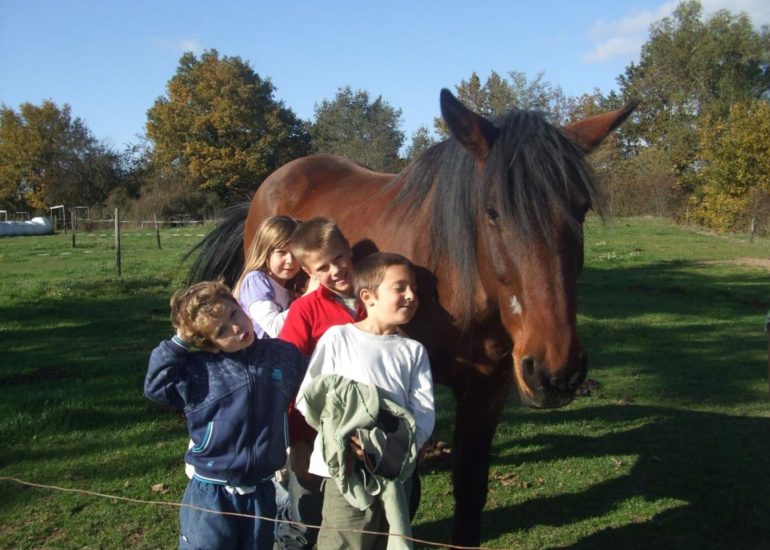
(672, 450)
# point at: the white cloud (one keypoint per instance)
(617, 46)
(625, 37)
(758, 10)
(189, 46)
(180, 46)
(633, 24)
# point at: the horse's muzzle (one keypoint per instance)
(542, 388)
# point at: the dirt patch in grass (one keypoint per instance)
(763, 263)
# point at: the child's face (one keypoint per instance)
(332, 268)
(395, 301)
(282, 265)
(232, 330)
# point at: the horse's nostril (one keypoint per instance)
(528, 367)
(533, 375)
(538, 378)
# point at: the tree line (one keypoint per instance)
(697, 149)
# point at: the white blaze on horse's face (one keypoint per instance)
(515, 306)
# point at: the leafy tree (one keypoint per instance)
(137, 167)
(220, 127)
(690, 69)
(643, 184)
(47, 157)
(422, 140)
(736, 167)
(591, 104)
(169, 195)
(353, 126)
(637, 181)
(499, 95)
(136, 171)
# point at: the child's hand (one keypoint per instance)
(356, 448)
(187, 338)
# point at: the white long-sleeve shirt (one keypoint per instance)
(397, 365)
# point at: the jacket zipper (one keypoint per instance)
(251, 436)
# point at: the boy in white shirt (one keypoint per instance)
(372, 351)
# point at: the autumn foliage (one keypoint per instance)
(735, 174)
(697, 148)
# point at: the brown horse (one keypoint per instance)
(493, 218)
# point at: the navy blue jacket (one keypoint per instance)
(235, 404)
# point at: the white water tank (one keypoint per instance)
(35, 226)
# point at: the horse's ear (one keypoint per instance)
(589, 132)
(472, 130)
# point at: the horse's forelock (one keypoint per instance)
(537, 176)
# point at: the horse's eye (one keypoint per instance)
(493, 215)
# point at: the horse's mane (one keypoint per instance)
(546, 170)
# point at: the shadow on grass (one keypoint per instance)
(685, 335)
(712, 467)
(98, 328)
(693, 334)
(76, 364)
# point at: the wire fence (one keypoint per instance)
(76, 224)
(78, 218)
(90, 224)
(116, 498)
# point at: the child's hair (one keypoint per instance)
(193, 308)
(274, 232)
(370, 270)
(315, 235)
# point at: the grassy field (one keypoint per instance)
(671, 450)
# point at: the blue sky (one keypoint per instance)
(110, 60)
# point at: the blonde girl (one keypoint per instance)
(267, 285)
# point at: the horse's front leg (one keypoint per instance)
(480, 402)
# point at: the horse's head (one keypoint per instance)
(532, 191)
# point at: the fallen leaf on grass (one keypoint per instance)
(160, 488)
(510, 480)
(587, 387)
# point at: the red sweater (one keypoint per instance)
(308, 318)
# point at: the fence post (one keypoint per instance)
(157, 229)
(74, 225)
(117, 242)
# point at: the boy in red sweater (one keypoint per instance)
(326, 257)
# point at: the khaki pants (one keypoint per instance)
(339, 514)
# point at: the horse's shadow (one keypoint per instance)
(708, 471)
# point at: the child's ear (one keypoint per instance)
(307, 272)
(365, 295)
